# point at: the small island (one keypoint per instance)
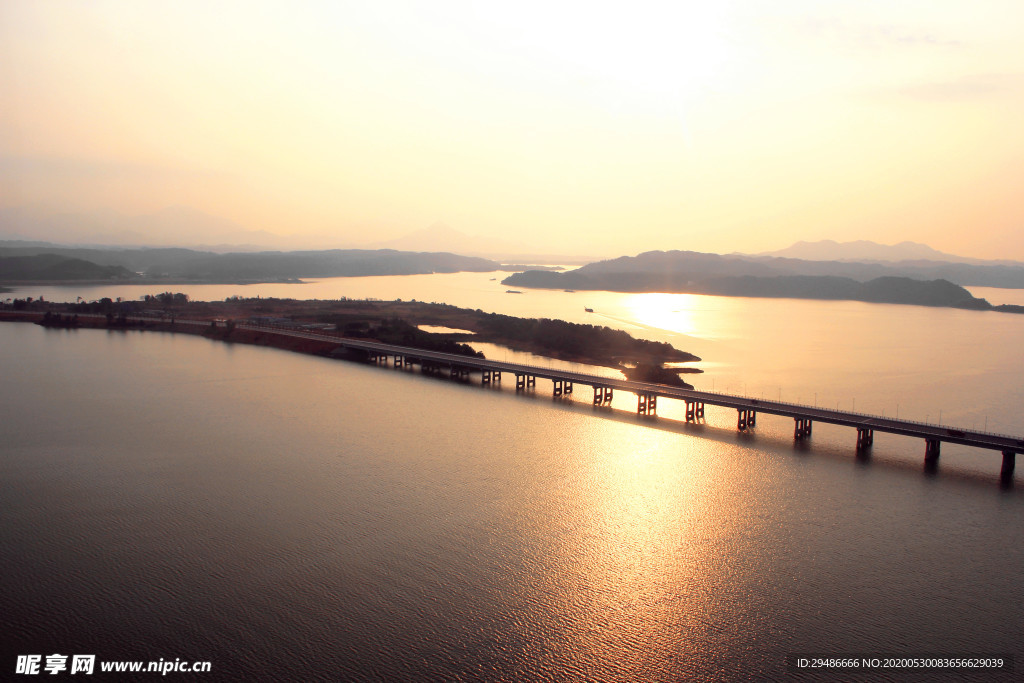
(393, 322)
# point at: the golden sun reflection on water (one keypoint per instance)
(671, 312)
(648, 533)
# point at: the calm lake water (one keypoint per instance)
(288, 517)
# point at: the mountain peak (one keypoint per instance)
(865, 251)
(442, 237)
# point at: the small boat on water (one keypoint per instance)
(512, 291)
(569, 290)
(589, 310)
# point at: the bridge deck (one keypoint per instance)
(931, 432)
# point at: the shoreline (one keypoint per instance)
(394, 322)
(261, 337)
(238, 335)
(21, 284)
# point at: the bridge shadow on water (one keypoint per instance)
(867, 458)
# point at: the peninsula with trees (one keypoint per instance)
(246, 320)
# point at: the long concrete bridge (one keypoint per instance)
(747, 409)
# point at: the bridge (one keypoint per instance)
(747, 409)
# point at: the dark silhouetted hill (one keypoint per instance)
(44, 267)
(697, 273)
(671, 270)
(188, 264)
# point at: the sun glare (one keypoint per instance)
(670, 312)
(663, 50)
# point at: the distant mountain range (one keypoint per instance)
(831, 269)
(37, 263)
(912, 282)
(182, 226)
(864, 251)
(441, 237)
(175, 225)
(683, 266)
(445, 238)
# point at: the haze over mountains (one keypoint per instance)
(185, 227)
(442, 237)
(57, 263)
(865, 251)
(174, 226)
(907, 272)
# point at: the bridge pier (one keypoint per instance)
(747, 418)
(525, 381)
(562, 386)
(602, 395)
(399, 361)
(646, 404)
(931, 452)
(865, 438)
(1009, 460)
(802, 428)
(485, 377)
(694, 411)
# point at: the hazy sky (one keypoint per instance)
(621, 127)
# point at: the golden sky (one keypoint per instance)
(603, 128)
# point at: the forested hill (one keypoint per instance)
(729, 276)
(45, 267)
(191, 265)
(677, 268)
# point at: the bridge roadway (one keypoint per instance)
(747, 407)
